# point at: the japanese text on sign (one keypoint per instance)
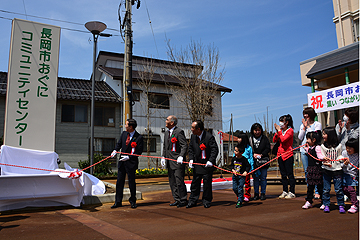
(30, 113)
(335, 98)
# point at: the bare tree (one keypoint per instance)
(146, 75)
(198, 72)
(265, 123)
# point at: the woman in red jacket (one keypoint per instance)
(285, 134)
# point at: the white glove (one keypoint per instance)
(162, 162)
(180, 160)
(124, 158)
(191, 164)
(208, 164)
(113, 154)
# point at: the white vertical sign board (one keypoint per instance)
(335, 98)
(32, 85)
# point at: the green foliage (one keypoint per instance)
(101, 169)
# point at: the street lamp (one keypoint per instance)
(95, 28)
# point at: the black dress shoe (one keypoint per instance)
(116, 205)
(190, 205)
(207, 205)
(133, 205)
(182, 204)
(262, 197)
(174, 204)
(256, 197)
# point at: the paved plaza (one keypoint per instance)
(154, 219)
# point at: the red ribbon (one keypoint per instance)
(133, 145)
(174, 140)
(203, 147)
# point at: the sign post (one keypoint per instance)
(30, 114)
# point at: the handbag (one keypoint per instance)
(261, 161)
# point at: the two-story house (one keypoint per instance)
(74, 105)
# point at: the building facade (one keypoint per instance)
(154, 102)
(338, 67)
(73, 110)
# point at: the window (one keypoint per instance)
(152, 144)
(105, 116)
(104, 146)
(74, 113)
(356, 30)
(157, 100)
(136, 96)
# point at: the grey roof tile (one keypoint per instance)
(340, 58)
(75, 89)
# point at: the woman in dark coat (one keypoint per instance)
(261, 148)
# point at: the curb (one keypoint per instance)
(108, 197)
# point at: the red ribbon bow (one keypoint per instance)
(74, 175)
(173, 140)
(133, 144)
(202, 146)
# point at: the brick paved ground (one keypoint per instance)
(155, 219)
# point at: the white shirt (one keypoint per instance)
(132, 134)
(171, 130)
(201, 135)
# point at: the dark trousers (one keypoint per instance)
(287, 173)
(121, 181)
(238, 186)
(177, 184)
(196, 188)
(310, 192)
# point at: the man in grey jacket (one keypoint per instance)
(175, 147)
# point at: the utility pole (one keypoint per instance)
(232, 139)
(127, 75)
(267, 121)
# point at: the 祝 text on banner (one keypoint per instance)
(335, 98)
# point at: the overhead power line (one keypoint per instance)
(57, 20)
(147, 10)
(24, 8)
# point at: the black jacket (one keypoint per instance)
(240, 164)
(263, 148)
(133, 162)
(211, 152)
(180, 148)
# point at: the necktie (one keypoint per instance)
(128, 139)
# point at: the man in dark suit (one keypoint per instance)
(130, 142)
(202, 149)
(175, 147)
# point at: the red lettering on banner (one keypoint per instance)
(316, 102)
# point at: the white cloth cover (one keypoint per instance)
(28, 158)
(22, 187)
(97, 186)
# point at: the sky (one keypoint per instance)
(261, 43)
